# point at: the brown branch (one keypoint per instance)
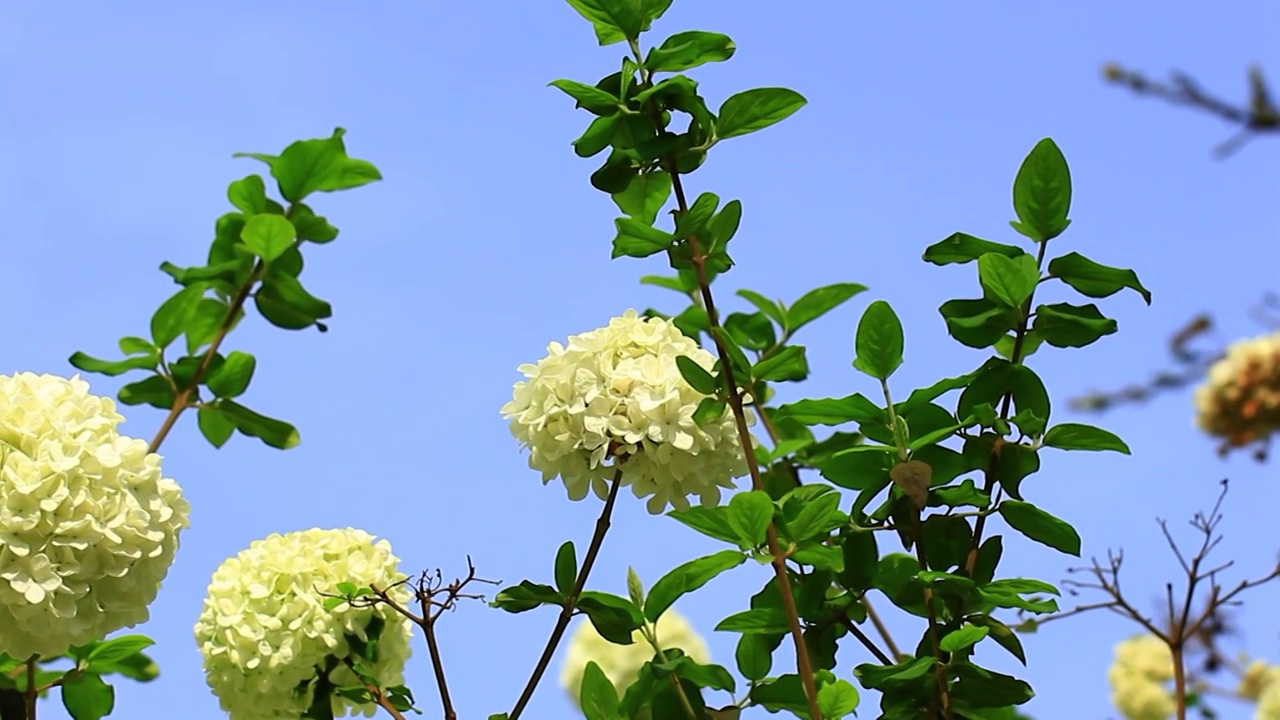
(566, 613)
(380, 698)
(1259, 115)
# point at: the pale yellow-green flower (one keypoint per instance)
(1257, 677)
(622, 663)
(1138, 676)
(614, 398)
(264, 628)
(1240, 400)
(88, 524)
(1269, 703)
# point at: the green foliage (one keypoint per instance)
(86, 696)
(880, 341)
(1042, 193)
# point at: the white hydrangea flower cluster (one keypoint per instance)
(1240, 401)
(88, 525)
(622, 663)
(264, 628)
(1261, 682)
(614, 397)
(1142, 666)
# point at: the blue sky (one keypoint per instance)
(485, 242)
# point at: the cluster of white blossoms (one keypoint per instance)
(622, 663)
(1261, 682)
(264, 628)
(1138, 676)
(612, 399)
(1240, 401)
(88, 525)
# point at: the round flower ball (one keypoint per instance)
(622, 663)
(1142, 666)
(88, 524)
(614, 399)
(265, 629)
(1240, 400)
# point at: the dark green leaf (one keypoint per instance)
(1008, 281)
(1074, 436)
(637, 239)
(114, 367)
(311, 227)
(962, 248)
(879, 342)
(526, 596)
(615, 618)
(988, 558)
(566, 568)
(687, 50)
(644, 196)
(752, 110)
(286, 304)
(861, 560)
(880, 676)
(816, 303)
(834, 411)
(724, 226)
(171, 318)
(319, 165)
(232, 377)
(788, 364)
(754, 655)
(759, 621)
(696, 375)
(699, 215)
(1041, 526)
(977, 323)
(947, 539)
(753, 331)
(1042, 193)
(1095, 280)
(87, 697)
(276, 433)
(766, 306)
(1001, 633)
(1065, 325)
(204, 323)
(598, 699)
(598, 136)
(154, 391)
(249, 194)
(783, 693)
(686, 578)
(750, 513)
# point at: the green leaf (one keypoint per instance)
(697, 217)
(1041, 526)
(965, 637)
(204, 323)
(834, 411)
(276, 433)
(638, 239)
(599, 698)
(782, 693)
(249, 194)
(1042, 193)
(670, 283)
(615, 618)
(589, 97)
(87, 697)
(1006, 345)
(1075, 436)
(686, 578)
(709, 409)
(816, 303)
(687, 50)
(766, 306)
(977, 323)
(286, 304)
(788, 364)
(626, 18)
(696, 375)
(1065, 325)
(112, 651)
(959, 248)
(752, 110)
(598, 136)
(566, 567)
(1002, 634)
(319, 165)
(1095, 280)
(635, 588)
(171, 318)
(724, 226)
(268, 236)
(311, 227)
(232, 377)
(710, 521)
(644, 196)
(758, 621)
(754, 655)
(526, 596)
(753, 331)
(114, 367)
(837, 699)
(879, 342)
(1008, 281)
(137, 667)
(750, 513)
(154, 391)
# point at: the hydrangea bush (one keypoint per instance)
(883, 498)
